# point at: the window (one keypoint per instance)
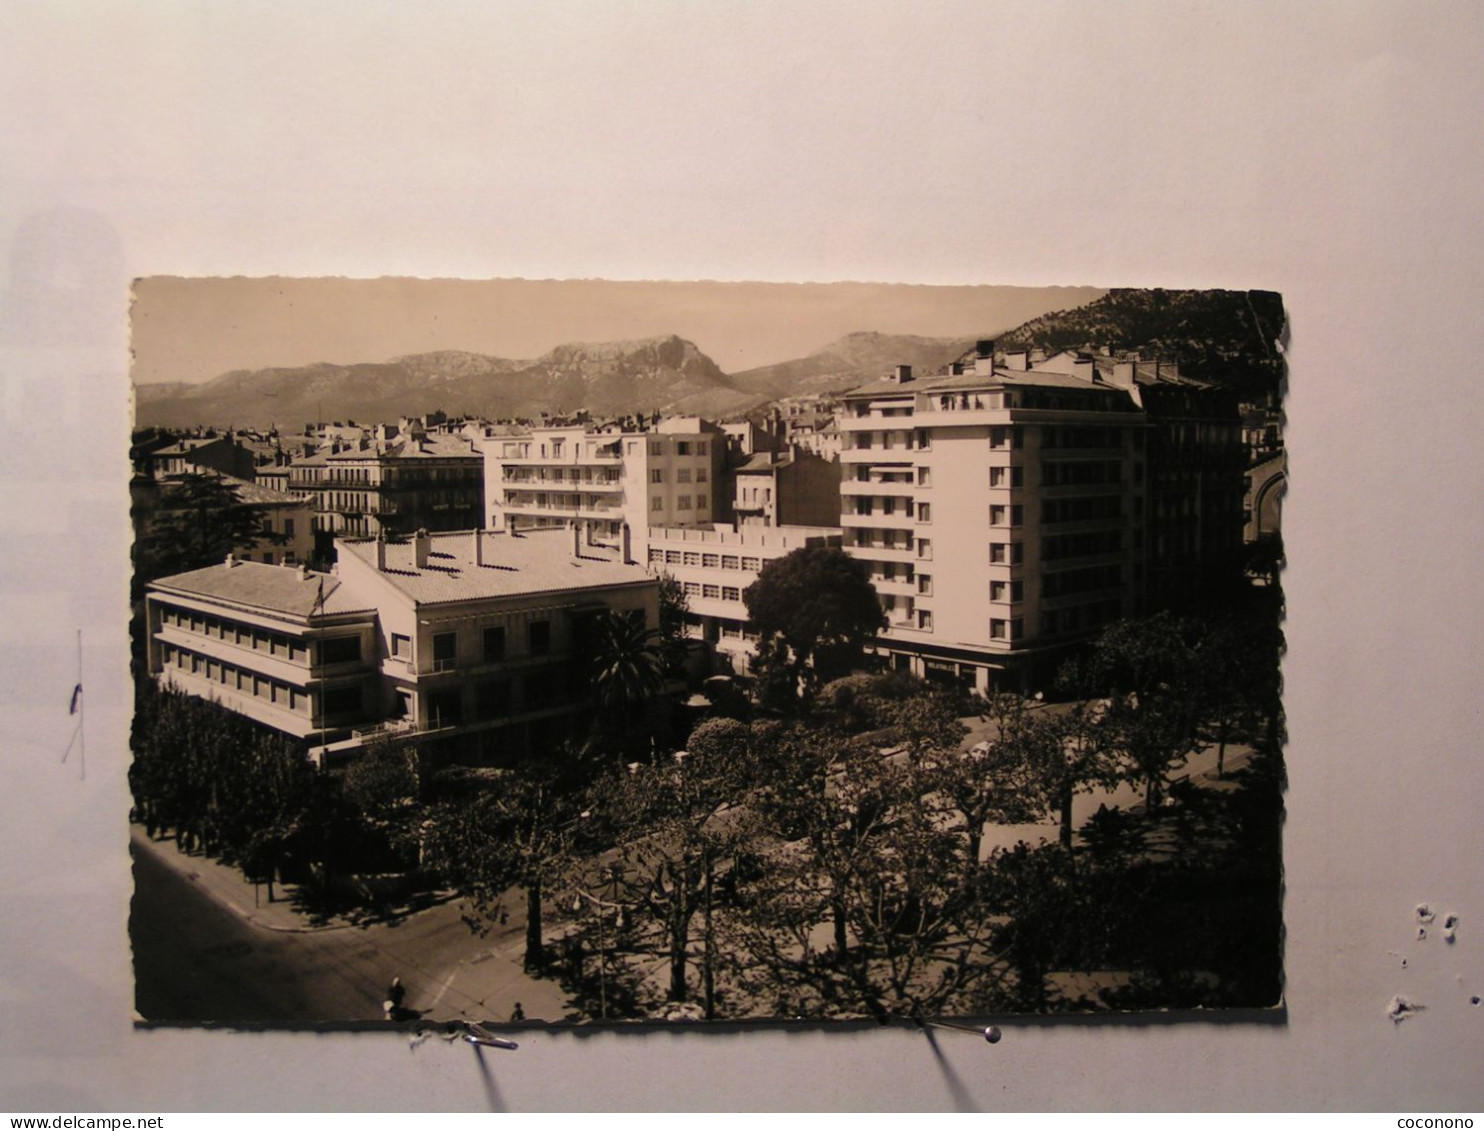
(494, 643)
(752, 563)
(712, 591)
(540, 637)
(924, 512)
(288, 527)
(336, 650)
(924, 476)
(657, 476)
(998, 515)
(656, 448)
(445, 708)
(999, 629)
(730, 561)
(710, 561)
(656, 556)
(692, 588)
(692, 558)
(925, 549)
(925, 584)
(682, 475)
(342, 700)
(682, 503)
(445, 651)
(492, 699)
(657, 503)
(682, 447)
(731, 593)
(925, 620)
(924, 440)
(702, 448)
(702, 501)
(701, 475)
(401, 646)
(1006, 476)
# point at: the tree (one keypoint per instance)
(673, 609)
(1149, 671)
(862, 858)
(626, 668)
(515, 832)
(671, 829)
(1010, 779)
(384, 786)
(200, 519)
(819, 604)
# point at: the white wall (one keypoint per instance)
(1330, 151)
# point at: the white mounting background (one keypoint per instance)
(1328, 151)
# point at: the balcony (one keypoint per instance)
(903, 488)
(902, 521)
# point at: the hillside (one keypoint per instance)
(1226, 337)
(652, 374)
(849, 361)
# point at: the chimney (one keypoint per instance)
(904, 374)
(381, 551)
(626, 543)
(478, 547)
(1123, 374)
(955, 368)
(420, 546)
(231, 561)
(303, 572)
(1018, 360)
(984, 347)
(574, 531)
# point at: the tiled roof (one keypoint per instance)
(261, 496)
(277, 589)
(434, 447)
(533, 562)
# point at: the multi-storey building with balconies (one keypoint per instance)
(465, 643)
(604, 478)
(289, 648)
(1004, 511)
(394, 483)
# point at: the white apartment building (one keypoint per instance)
(604, 478)
(716, 566)
(1000, 512)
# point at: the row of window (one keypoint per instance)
(682, 475)
(338, 700)
(290, 648)
(682, 502)
(658, 556)
(492, 644)
(716, 592)
(1082, 580)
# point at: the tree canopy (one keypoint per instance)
(819, 603)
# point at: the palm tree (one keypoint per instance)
(626, 665)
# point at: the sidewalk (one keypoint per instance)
(226, 886)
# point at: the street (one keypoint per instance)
(198, 960)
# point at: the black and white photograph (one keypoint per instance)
(584, 652)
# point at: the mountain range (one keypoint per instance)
(666, 374)
(1226, 337)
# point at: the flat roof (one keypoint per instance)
(538, 561)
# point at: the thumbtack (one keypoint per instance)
(477, 1034)
(990, 1033)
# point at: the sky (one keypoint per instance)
(192, 330)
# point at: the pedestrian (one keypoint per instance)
(517, 1014)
